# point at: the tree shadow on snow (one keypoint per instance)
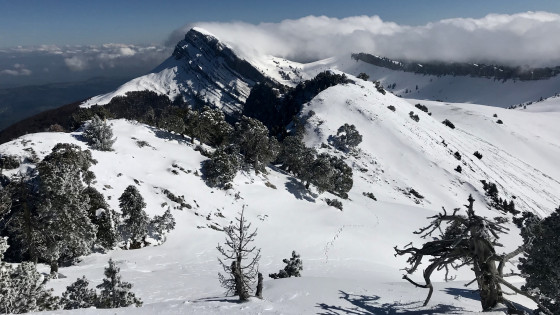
(297, 189)
(466, 293)
(221, 299)
(365, 305)
(162, 134)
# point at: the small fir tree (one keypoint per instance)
(114, 292)
(99, 134)
(242, 272)
(161, 225)
(292, 269)
(22, 289)
(134, 217)
(78, 295)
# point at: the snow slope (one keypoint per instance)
(349, 266)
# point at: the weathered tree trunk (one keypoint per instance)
(54, 268)
(485, 271)
(259, 286)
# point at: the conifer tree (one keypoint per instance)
(222, 167)
(99, 134)
(78, 295)
(540, 262)
(162, 224)
(257, 148)
(347, 138)
(292, 269)
(114, 292)
(66, 229)
(22, 289)
(134, 217)
(242, 272)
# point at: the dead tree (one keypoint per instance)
(239, 275)
(466, 241)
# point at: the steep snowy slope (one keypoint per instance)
(348, 255)
(201, 69)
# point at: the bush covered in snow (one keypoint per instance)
(292, 269)
(99, 134)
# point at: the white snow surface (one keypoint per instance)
(348, 256)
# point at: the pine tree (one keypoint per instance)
(295, 156)
(78, 295)
(292, 269)
(221, 168)
(240, 274)
(66, 229)
(347, 138)
(22, 289)
(99, 134)
(540, 262)
(161, 225)
(257, 148)
(135, 218)
(114, 292)
(107, 222)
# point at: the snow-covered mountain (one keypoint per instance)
(348, 256)
(205, 68)
(201, 69)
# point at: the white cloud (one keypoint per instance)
(17, 70)
(529, 38)
(76, 63)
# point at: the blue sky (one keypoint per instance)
(61, 22)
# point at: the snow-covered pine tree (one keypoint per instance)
(221, 168)
(161, 225)
(107, 222)
(540, 262)
(292, 269)
(134, 217)
(99, 134)
(257, 148)
(114, 292)
(242, 272)
(347, 138)
(214, 130)
(295, 156)
(78, 295)
(66, 229)
(22, 289)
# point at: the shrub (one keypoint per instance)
(99, 134)
(363, 76)
(414, 116)
(334, 203)
(369, 195)
(221, 168)
(391, 107)
(292, 269)
(448, 124)
(347, 138)
(499, 121)
(457, 155)
(458, 169)
(421, 107)
(478, 155)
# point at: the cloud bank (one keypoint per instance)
(529, 38)
(49, 63)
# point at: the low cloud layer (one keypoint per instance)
(48, 63)
(520, 39)
(17, 70)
